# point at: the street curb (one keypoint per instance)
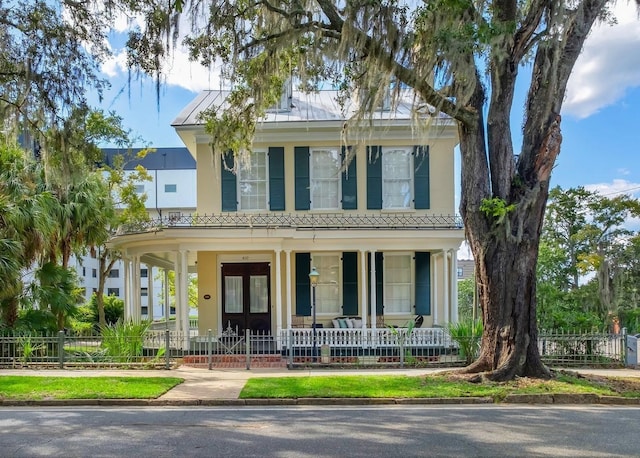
(530, 399)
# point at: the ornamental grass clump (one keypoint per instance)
(123, 341)
(466, 333)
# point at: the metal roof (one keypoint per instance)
(315, 106)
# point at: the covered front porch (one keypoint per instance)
(255, 275)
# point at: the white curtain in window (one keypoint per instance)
(396, 178)
(252, 182)
(325, 179)
(328, 289)
(258, 294)
(233, 294)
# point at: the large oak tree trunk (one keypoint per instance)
(505, 244)
(507, 295)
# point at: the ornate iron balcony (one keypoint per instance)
(299, 221)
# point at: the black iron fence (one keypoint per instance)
(292, 348)
(562, 349)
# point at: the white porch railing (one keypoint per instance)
(366, 338)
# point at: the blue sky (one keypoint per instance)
(600, 119)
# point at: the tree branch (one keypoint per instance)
(525, 36)
(276, 36)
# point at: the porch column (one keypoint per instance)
(176, 293)
(372, 293)
(137, 292)
(363, 288)
(445, 290)
(287, 260)
(184, 296)
(278, 297)
(165, 295)
(150, 292)
(434, 290)
(127, 289)
(454, 287)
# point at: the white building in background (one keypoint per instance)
(170, 193)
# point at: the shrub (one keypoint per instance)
(123, 341)
(467, 334)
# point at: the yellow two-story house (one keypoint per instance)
(375, 219)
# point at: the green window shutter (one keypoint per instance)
(421, 177)
(379, 279)
(276, 178)
(303, 284)
(374, 178)
(349, 182)
(350, 283)
(303, 193)
(229, 188)
(423, 283)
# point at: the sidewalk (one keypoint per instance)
(223, 386)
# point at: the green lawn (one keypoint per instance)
(21, 387)
(439, 386)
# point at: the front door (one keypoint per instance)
(246, 298)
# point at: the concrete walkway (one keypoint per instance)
(202, 386)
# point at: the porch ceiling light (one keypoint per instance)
(314, 276)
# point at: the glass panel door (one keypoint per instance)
(233, 294)
(246, 296)
(258, 294)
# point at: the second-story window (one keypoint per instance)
(325, 179)
(170, 188)
(114, 273)
(252, 182)
(397, 174)
(398, 178)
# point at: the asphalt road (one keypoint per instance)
(387, 431)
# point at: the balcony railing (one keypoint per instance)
(298, 221)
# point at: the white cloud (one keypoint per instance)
(181, 72)
(608, 66)
(177, 71)
(115, 65)
(616, 187)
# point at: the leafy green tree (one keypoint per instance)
(113, 311)
(192, 289)
(584, 236)
(63, 206)
(50, 53)
(92, 201)
(25, 224)
(57, 291)
(129, 209)
(625, 281)
(466, 298)
(461, 58)
(563, 243)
